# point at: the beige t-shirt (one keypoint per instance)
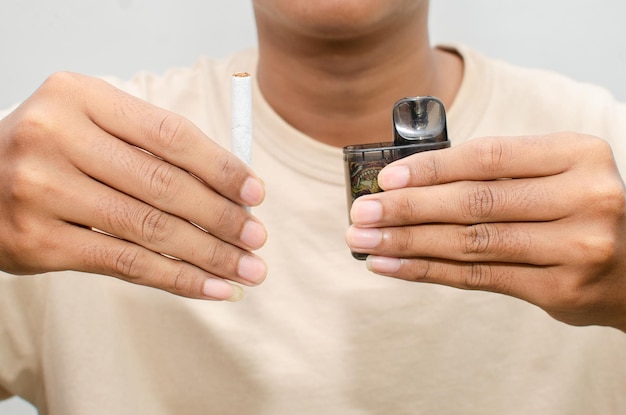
(321, 335)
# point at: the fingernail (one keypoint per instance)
(366, 212)
(237, 294)
(383, 265)
(252, 192)
(360, 238)
(253, 235)
(393, 177)
(218, 289)
(251, 269)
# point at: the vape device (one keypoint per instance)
(419, 124)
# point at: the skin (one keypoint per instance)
(325, 67)
(81, 131)
(445, 218)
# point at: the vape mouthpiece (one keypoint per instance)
(418, 119)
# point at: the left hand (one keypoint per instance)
(539, 218)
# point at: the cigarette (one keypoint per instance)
(241, 113)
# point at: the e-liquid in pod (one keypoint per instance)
(419, 124)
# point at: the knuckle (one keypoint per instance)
(597, 250)
(213, 256)
(167, 129)
(225, 167)
(62, 78)
(429, 171)
(412, 208)
(476, 275)
(27, 188)
(596, 147)
(403, 208)
(616, 197)
(491, 154)
(488, 277)
(30, 125)
(403, 239)
(156, 226)
(568, 295)
(180, 280)
(216, 258)
(26, 241)
(480, 202)
(30, 130)
(479, 276)
(608, 196)
(224, 221)
(422, 270)
(61, 83)
(23, 184)
(603, 148)
(125, 262)
(478, 239)
(35, 127)
(162, 180)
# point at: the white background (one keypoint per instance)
(583, 38)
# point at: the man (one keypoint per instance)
(538, 217)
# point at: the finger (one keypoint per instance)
(103, 208)
(558, 290)
(168, 136)
(491, 158)
(526, 243)
(93, 252)
(466, 202)
(166, 187)
(538, 285)
(49, 245)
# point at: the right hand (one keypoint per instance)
(80, 155)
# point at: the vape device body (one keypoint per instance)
(419, 124)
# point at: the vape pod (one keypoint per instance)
(419, 124)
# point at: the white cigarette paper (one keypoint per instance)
(241, 113)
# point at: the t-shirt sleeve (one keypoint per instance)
(617, 136)
(22, 313)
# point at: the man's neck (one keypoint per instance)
(341, 92)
